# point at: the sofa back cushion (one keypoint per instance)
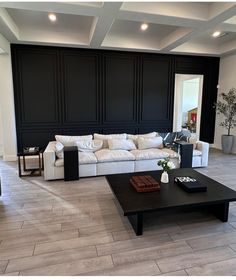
(135, 137)
(121, 144)
(105, 137)
(149, 143)
(89, 145)
(70, 140)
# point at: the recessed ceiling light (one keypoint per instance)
(216, 34)
(144, 26)
(52, 17)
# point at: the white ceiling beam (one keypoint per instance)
(54, 7)
(227, 27)
(4, 45)
(219, 18)
(159, 19)
(103, 24)
(8, 28)
(175, 38)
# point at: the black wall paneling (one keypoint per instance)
(78, 91)
(120, 88)
(80, 87)
(156, 102)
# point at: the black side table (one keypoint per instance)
(71, 163)
(186, 153)
(33, 171)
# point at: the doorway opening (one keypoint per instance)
(188, 103)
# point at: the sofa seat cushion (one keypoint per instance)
(87, 157)
(84, 158)
(106, 155)
(196, 153)
(149, 154)
(171, 153)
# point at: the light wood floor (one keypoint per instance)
(76, 228)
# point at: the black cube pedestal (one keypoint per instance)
(71, 163)
(186, 154)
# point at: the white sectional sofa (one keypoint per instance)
(131, 153)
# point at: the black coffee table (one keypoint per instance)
(171, 196)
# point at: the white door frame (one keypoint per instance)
(178, 100)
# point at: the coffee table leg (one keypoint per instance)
(221, 211)
(137, 223)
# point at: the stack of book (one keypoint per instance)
(190, 184)
(144, 183)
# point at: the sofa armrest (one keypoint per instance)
(49, 158)
(204, 148)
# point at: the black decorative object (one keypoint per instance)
(186, 153)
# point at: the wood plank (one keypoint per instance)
(226, 267)
(212, 241)
(194, 259)
(72, 243)
(151, 253)
(51, 259)
(141, 242)
(145, 268)
(72, 268)
(16, 252)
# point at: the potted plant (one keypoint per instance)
(166, 165)
(227, 107)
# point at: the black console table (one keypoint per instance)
(71, 163)
(186, 153)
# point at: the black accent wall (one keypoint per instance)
(78, 91)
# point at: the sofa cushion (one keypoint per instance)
(89, 145)
(197, 153)
(87, 157)
(149, 154)
(59, 150)
(106, 155)
(171, 153)
(84, 158)
(105, 137)
(70, 140)
(121, 144)
(135, 137)
(149, 143)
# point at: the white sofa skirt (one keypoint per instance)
(105, 168)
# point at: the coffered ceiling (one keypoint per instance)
(173, 27)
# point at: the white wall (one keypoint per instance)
(7, 111)
(227, 80)
(1, 135)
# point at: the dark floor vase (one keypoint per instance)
(227, 142)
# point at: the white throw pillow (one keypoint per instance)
(59, 150)
(89, 145)
(70, 140)
(148, 143)
(105, 137)
(135, 137)
(121, 144)
(193, 140)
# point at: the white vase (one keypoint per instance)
(164, 177)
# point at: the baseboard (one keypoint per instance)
(10, 158)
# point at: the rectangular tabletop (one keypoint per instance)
(170, 195)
